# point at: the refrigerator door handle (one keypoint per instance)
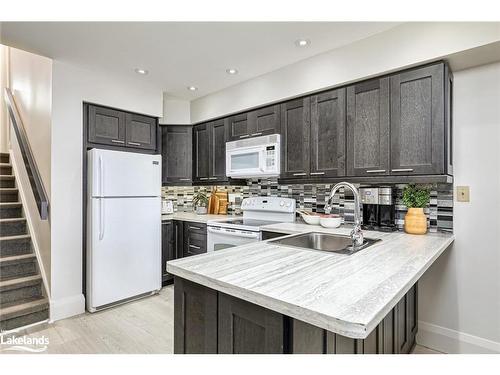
(101, 219)
(101, 176)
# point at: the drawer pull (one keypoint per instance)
(299, 174)
(195, 247)
(203, 178)
(134, 143)
(402, 170)
(376, 171)
(317, 173)
(244, 136)
(184, 179)
(194, 228)
(117, 141)
(212, 178)
(255, 134)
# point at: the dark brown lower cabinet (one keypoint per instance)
(207, 321)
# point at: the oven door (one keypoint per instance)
(245, 162)
(223, 238)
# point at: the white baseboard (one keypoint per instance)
(454, 342)
(67, 307)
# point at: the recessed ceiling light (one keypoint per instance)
(141, 71)
(232, 71)
(192, 88)
(302, 42)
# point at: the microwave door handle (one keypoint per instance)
(262, 160)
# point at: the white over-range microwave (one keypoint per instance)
(253, 157)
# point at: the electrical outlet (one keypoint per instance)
(463, 194)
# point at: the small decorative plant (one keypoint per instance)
(200, 203)
(416, 198)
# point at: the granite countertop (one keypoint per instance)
(348, 295)
(191, 216)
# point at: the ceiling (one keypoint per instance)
(182, 54)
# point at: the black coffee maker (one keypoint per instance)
(378, 208)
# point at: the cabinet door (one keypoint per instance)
(295, 130)
(264, 121)
(201, 152)
(238, 127)
(245, 328)
(167, 248)
(177, 154)
(328, 134)
(417, 121)
(218, 138)
(106, 126)
(368, 128)
(141, 131)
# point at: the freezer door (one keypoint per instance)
(123, 174)
(124, 249)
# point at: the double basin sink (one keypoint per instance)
(332, 243)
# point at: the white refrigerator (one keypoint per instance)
(123, 226)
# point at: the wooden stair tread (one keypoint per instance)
(23, 307)
(20, 282)
(7, 177)
(11, 220)
(16, 258)
(14, 189)
(10, 204)
(16, 237)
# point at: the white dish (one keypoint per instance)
(330, 222)
(311, 219)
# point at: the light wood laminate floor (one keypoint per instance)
(140, 327)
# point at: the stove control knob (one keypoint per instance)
(288, 204)
(282, 203)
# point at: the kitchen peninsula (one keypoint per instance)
(270, 298)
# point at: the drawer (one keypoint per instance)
(190, 226)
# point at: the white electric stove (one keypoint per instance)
(257, 212)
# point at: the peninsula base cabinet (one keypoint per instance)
(207, 321)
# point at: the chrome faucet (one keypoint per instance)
(356, 233)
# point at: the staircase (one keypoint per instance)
(22, 300)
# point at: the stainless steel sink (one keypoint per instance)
(332, 243)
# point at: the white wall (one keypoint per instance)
(402, 46)
(175, 111)
(71, 87)
(460, 294)
(4, 82)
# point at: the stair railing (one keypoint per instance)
(36, 183)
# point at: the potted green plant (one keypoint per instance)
(200, 202)
(416, 198)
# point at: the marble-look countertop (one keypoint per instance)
(348, 295)
(191, 216)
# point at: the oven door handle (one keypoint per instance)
(234, 234)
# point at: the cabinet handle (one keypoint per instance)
(203, 178)
(244, 136)
(376, 171)
(117, 141)
(254, 134)
(402, 170)
(184, 179)
(134, 143)
(317, 173)
(195, 228)
(300, 174)
(195, 247)
(212, 178)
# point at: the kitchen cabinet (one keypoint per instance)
(245, 328)
(194, 239)
(140, 131)
(168, 248)
(327, 143)
(262, 121)
(113, 127)
(106, 126)
(418, 121)
(209, 152)
(177, 141)
(368, 128)
(295, 133)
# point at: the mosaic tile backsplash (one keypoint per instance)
(312, 197)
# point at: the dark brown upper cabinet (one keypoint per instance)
(140, 131)
(295, 134)
(106, 126)
(209, 153)
(328, 134)
(368, 127)
(262, 121)
(177, 141)
(201, 153)
(418, 121)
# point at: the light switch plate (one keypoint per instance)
(463, 194)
